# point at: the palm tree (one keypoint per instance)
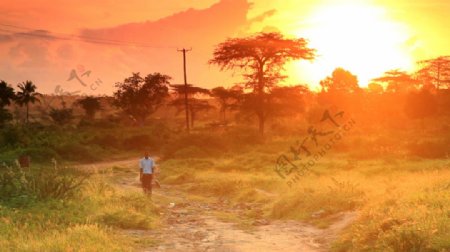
(27, 94)
(6, 94)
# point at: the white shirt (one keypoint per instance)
(147, 165)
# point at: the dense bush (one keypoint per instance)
(61, 116)
(76, 152)
(430, 149)
(40, 155)
(5, 116)
(140, 142)
(20, 186)
(200, 143)
(11, 136)
(106, 141)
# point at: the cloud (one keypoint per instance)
(27, 35)
(36, 34)
(264, 16)
(5, 38)
(188, 28)
(45, 57)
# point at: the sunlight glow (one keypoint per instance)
(359, 38)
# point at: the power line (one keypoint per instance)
(72, 37)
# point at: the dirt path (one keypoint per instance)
(193, 225)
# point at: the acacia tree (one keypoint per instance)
(90, 105)
(262, 58)
(436, 72)
(140, 97)
(279, 102)
(195, 105)
(228, 99)
(398, 81)
(27, 94)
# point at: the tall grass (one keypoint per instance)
(402, 204)
(89, 220)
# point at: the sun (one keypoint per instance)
(358, 37)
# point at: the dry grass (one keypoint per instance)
(403, 204)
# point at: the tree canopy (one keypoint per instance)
(6, 94)
(195, 105)
(27, 94)
(340, 80)
(398, 81)
(436, 72)
(262, 58)
(228, 99)
(90, 105)
(139, 97)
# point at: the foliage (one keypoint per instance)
(13, 136)
(263, 57)
(5, 116)
(420, 104)
(81, 223)
(140, 97)
(27, 95)
(47, 183)
(90, 105)
(195, 105)
(61, 116)
(340, 80)
(6, 94)
(435, 72)
(430, 149)
(280, 101)
(398, 81)
(228, 98)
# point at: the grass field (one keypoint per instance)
(403, 204)
(89, 220)
(397, 186)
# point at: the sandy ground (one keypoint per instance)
(193, 226)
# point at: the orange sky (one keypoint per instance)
(366, 37)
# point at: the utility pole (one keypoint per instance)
(186, 103)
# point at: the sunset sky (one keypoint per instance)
(42, 40)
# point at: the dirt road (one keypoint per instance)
(190, 225)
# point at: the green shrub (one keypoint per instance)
(76, 152)
(41, 184)
(212, 144)
(106, 141)
(11, 136)
(61, 116)
(140, 142)
(40, 155)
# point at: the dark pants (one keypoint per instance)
(147, 183)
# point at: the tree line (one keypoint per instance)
(260, 59)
